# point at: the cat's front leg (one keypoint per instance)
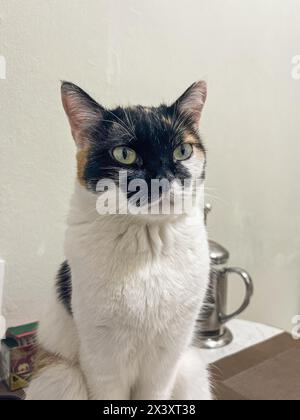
(102, 375)
(193, 377)
(157, 376)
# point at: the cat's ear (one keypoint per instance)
(191, 103)
(83, 112)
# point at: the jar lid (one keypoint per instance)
(218, 254)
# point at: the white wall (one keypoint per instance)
(146, 51)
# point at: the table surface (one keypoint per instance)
(246, 334)
(268, 371)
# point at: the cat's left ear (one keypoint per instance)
(191, 103)
(83, 112)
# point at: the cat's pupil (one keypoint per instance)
(183, 149)
(125, 153)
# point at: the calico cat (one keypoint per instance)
(121, 320)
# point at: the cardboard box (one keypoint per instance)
(18, 351)
(269, 371)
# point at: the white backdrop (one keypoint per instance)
(147, 51)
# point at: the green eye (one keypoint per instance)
(125, 155)
(183, 152)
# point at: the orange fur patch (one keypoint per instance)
(82, 158)
(190, 139)
(43, 361)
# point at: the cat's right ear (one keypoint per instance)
(83, 112)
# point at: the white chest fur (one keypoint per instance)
(135, 271)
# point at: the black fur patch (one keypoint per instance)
(64, 286)
(153, 133)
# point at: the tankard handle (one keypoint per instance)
(249, 292)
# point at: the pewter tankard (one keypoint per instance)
(212, 332)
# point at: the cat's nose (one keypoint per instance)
(168, 175)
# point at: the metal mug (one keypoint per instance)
(212, 332)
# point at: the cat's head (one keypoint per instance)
(146, 143)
